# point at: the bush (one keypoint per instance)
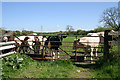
(108, 68)
(14, 63)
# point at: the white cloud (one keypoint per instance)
(58, 25)
(101, 23)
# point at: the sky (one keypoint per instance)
(53, 16)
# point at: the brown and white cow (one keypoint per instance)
(88, 43)
(31, 41)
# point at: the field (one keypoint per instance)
(69, 42)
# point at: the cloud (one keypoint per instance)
(58, 25)
(101, 23)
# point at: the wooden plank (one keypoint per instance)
(7, 47)
(6, 43)
(3, 55)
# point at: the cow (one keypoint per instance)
(5, 39)
(32, 41)
(53, 43)
(88, 43)
(36, 45)
(25, 45)
(96, 34)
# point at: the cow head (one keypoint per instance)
(26, 38)
(54, 41)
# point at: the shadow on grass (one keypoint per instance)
(85, 65)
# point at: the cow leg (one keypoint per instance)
(85, 57)
(86, 52)
(58, 54)
(91, 54)
(53, 53)
(50, 52)
(19, 49)
(96, 51)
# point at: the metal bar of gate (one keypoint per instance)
(43, 47)
(76, 49)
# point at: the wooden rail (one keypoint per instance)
(3, 55)
(5, 46)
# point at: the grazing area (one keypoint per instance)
(68, 44)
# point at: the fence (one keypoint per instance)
(7, 48)
(66, 50)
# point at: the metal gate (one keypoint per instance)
(66, 49)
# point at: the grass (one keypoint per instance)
(104, 68)
(71, 40)
(39, 69)
(108, 68)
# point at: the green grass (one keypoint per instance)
(40, 69)
(108, 68)
(0, 69)
(71, 40)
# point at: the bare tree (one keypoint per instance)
(119, 13)
(69, 28)
(110, 18)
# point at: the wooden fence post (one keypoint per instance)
(106, 45)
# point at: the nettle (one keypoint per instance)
(13, 61)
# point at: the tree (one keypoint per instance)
(81, 32)
(101, 29)
(18, 32)
(110, 18)
(69, 28)
(25, 32)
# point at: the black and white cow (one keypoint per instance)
(53, 43)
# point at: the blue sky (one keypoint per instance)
(52, 16)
